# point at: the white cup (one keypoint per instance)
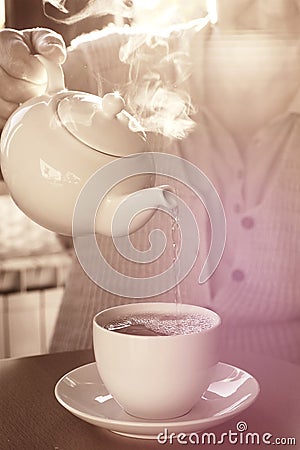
(155, 377)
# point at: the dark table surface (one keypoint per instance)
(31, 417)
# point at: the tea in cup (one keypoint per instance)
(156, 359)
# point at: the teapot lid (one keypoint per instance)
(101, 123)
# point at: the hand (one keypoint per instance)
(22, 75)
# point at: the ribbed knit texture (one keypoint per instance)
(256, 287)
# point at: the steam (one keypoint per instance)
(156, 93)
(159, 63)
(93, 8)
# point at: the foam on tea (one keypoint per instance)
(161, 324)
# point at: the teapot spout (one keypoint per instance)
(124, 214)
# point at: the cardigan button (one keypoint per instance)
(238, 275)
(248, 222)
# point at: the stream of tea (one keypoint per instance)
(176, 243)
(165, 324)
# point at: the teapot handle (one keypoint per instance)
(55, 74)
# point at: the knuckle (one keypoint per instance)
(13, 54)
(6, 34)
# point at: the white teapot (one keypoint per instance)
(53, 144)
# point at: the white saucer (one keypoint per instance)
(83, 393)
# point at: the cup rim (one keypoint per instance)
(203, 308)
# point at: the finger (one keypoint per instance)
(2, 123)
(16, 58)
(6, 109)
(14, 90)
(49, 44)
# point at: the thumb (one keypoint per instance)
(48, 43)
